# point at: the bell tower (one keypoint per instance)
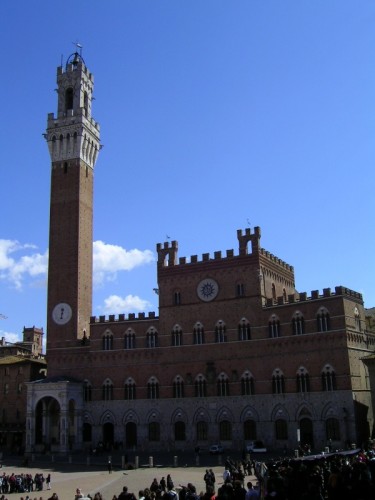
(73, 143)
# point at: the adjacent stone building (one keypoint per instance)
(236, 353)
(20, 362)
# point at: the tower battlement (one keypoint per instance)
(112, 318)
(276, 260)
(314, 295)
(71, 66)
(167, 251)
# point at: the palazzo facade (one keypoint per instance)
(234, 354)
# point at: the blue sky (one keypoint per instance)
(214, 115)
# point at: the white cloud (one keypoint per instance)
(115, 304)
(13, 269)
(110, 259)
(10, 337)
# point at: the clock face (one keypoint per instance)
(207, 289)
(61, 313)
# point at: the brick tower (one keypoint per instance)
(73, 142)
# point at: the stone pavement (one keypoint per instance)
(66, 480)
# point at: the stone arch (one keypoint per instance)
(201, 414)
(249, 413)
(107, 417)
(330, 411)
(179, 415)
(305, 410)
(224, 413)
(279, 411)
(131, 416)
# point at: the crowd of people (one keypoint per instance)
(23, 483)
(340, 476)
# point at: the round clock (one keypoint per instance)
(207, 289)
(61, 313)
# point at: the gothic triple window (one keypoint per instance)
(322, 320)
(178, 387)
(200, 387)
(107, 391)
(274, 327)
(303, 381)
(244, 330)
(129, 339)
(107, 341)
(152, 337)
(129, 389)
(247, 384)
(176, 336)
(198, 334)
(298, 324)
(220, 331)
(328, 379)
(153, 389)
(223, 385)
(278, 382)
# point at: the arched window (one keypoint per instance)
(281, 429)
(69, 98)
(244, 330)
(225, 430)
(154, 431)
(247, 384)
(129, 389)
(357, 320)
(250, 429)
(240, 290)
(86, 103)
(178, 387)
(202, 431)
(153, 388)
(328, 379)
(176, 336)
(333, 429)
(278, 383)
(198, 333)
(298, 324)
(177, 298)
(152, 337)
(273, 291)
(222, 385)
(87, 392)
(220, 332)
(129, 339)
(179, 431)
(107, 341)
(107, 391)
(274, 327)
(302, 380)
(322, 320)
(200, 387)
